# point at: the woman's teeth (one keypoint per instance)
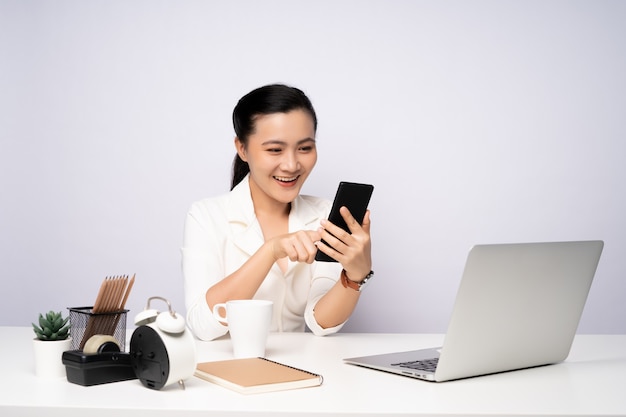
(286, 179)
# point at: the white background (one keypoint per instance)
(477, 122)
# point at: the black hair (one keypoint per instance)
(269, 99)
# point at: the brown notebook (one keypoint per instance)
(256, 375)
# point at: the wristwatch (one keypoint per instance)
(355, 285)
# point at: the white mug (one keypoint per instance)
(248, 323)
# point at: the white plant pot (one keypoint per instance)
(48, 357)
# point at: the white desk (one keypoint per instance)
(590, 382)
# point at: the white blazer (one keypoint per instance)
(222, 233)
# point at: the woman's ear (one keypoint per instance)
(241, 149)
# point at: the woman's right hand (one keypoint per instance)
(298, 246)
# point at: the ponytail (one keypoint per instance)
(240, 170)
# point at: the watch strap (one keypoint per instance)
(355, 285)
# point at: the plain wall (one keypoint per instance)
(477, 122)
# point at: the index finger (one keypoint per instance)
(314, 235)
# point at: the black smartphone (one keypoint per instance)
(355, 197)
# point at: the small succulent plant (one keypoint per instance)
(52, 326)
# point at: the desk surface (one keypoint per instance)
(590, 381)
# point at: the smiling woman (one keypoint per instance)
(259, 241)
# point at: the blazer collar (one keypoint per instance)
(247, 234)
(240, 207)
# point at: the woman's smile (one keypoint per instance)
(287, 181)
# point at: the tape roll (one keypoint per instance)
(100, 343)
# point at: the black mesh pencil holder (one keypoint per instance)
(85, 323)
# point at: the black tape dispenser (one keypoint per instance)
(100, 362)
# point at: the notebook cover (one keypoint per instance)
(256, 375)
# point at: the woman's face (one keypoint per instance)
(281, 154)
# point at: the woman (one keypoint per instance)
(259, 241)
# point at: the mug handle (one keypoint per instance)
(216, 313)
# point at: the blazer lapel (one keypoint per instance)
(245, 229)
(303, 216)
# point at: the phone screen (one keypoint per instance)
(355, 197)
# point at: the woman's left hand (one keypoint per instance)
(353, 250)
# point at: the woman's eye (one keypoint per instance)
(274, 150)
(306, 148)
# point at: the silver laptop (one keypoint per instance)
(518, 306)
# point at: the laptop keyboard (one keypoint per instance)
(429, 365)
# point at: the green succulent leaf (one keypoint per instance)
(52, 326)
(38, 331)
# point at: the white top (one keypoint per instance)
(222, 233)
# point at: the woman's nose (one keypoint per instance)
(290, 162)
